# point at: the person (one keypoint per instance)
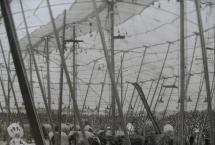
(64, 137)
(16, 132)
(88, 127)
(17, 141)
(168, 135)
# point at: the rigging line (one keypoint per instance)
(94, 91)
(170, 96)
(161, 72)
(85, 98)
(154, 45)
(160, 9)
(190, 69)
(156, 28)
(41, 7)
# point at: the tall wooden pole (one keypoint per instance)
(30, 50)
(75, 105)
(8, 89)
(11, 85)
(113, 106)
(61, 82)
(88, 86)
(102, 90)
(48, 73)
(111, 74)
(182, 73)
(214, 70)
(74, 77)
(205, 64)
(121, 74)
(21, 73)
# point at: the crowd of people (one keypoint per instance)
(141, 132)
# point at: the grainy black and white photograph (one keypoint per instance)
(107, 72)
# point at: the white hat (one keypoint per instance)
(130, 127)
(196, 130)
(15, 129)
(168, 128)
(119, 133)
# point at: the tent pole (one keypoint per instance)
(182, 73)
(11, 85)
(74, 74)
(205, 63)
(67, 73)
(21, 73)
(88, 87)
(111, 74)
(102, 90)
(214, 71)
(30, 50)
(48, 73)
(61, 82)
(8, 89)
(121, 76)
(113, 101)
